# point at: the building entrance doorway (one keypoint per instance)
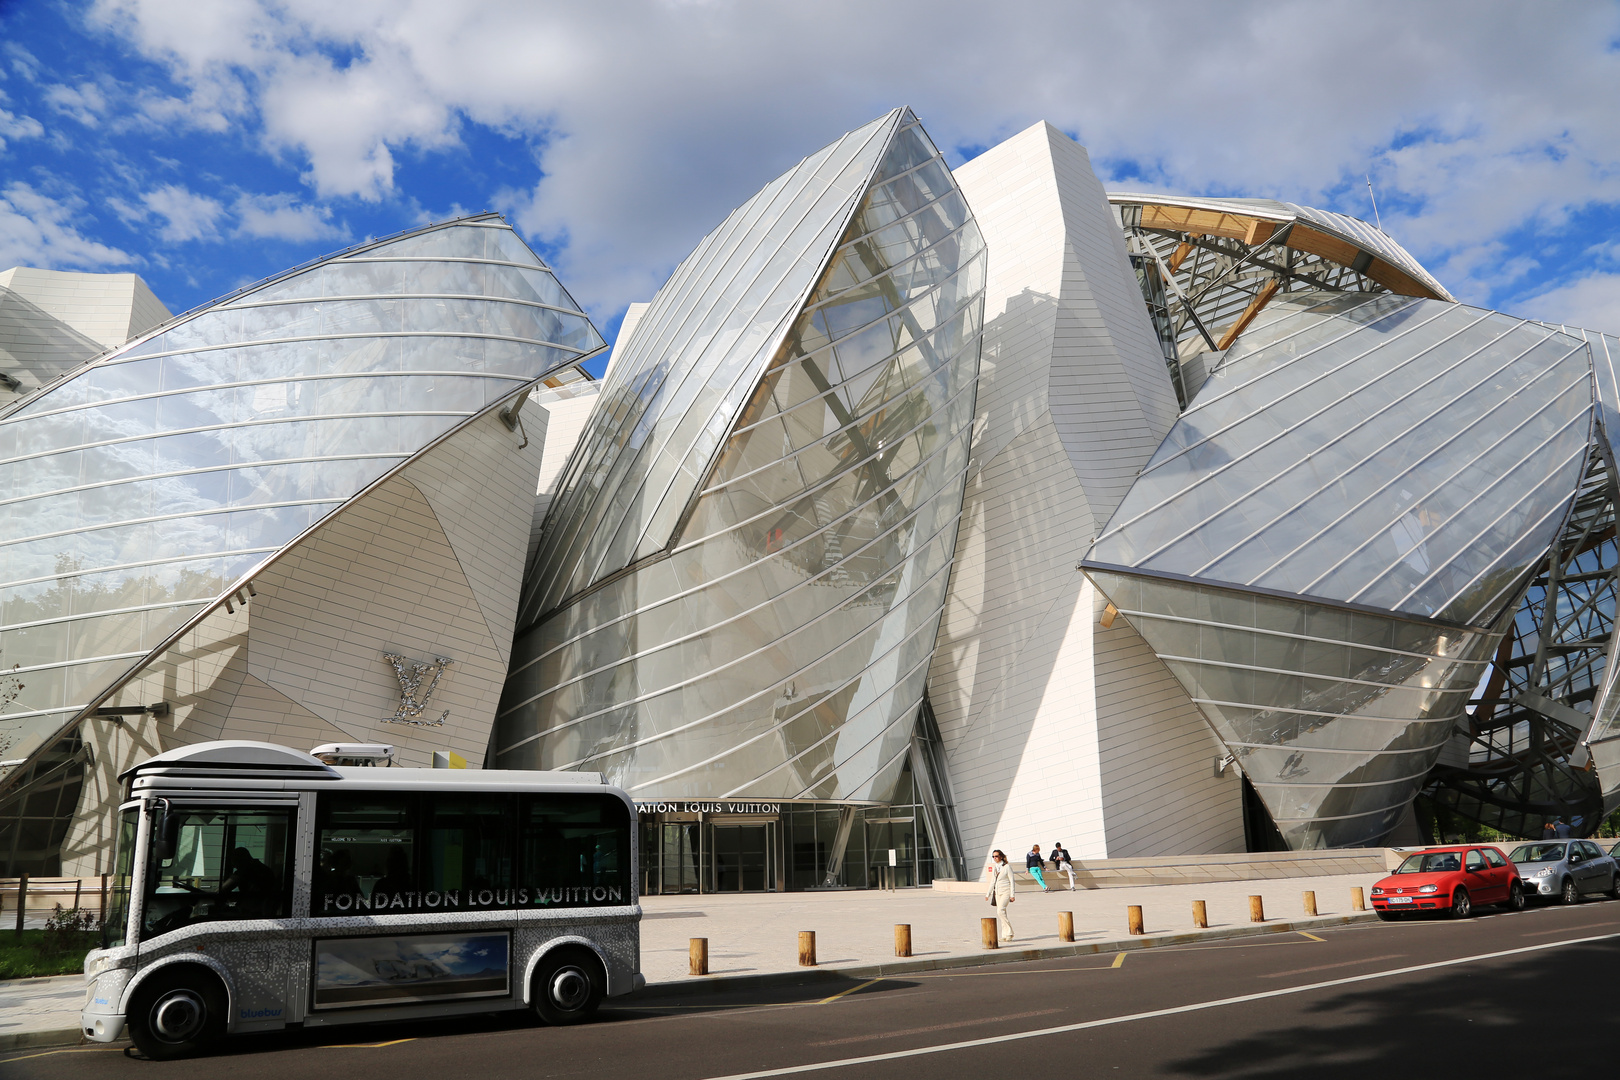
(679, 857)
(742, 857)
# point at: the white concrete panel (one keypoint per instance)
(1055, 729)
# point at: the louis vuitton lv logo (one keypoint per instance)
(413, 696)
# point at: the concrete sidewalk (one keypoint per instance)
(754, 937)
(757, 934)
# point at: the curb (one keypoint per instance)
(27, 1040)
(716, 984)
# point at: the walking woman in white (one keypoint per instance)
(1001, 891)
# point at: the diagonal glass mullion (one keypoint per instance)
(1349, 432)
(1374, 535)
(1357, 358)
(612, 431)
(629, 450)
(1503, 403)
(810, 538)
(727, 403)
(770, 690)
(1529, 530)
(918, 545)
(765, 691)
(1297, 425)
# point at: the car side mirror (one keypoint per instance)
(1575, 858)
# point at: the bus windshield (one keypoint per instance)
(226, 864)
(114, 927)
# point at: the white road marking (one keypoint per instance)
(993, 1040)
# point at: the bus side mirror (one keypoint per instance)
(165, 834)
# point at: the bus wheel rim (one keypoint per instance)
(570, 988)
(178, 1015)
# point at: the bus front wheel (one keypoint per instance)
(177, 1013)
(568, 986)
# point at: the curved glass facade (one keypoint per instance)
(142, 490)
(739, 583)
(1330, 542)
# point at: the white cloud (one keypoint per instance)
(37, 230)
(1591, 302)
(13, 126)
(283, 217)
(652, 120)
(186, 215)
(85, 103)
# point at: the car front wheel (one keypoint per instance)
(1462, 905)
(1614, 885)
(1515, 900)
(1570, 894)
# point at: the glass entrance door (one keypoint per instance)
(741, 858)
(679, 856)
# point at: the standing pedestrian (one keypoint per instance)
(1033, 863)
(1001, 892)
(1060, 861)
(1547, 830)
(1561, 829)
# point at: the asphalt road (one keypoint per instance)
(1494, 995)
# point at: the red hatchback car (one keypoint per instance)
(1449, 879)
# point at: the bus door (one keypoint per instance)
(211, 868)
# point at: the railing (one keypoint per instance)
(34, 899)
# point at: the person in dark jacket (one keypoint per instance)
(1034, 861)
(1060, 861)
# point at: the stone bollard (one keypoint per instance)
(1200, 915)
(1133, 919)
(1065, 926)
(902, 939)
(1257, 909)
(1310, 902)
(807, 948)
(698, 955)
(1358, 899)
(987, 931)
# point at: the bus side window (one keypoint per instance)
(366, 852)
(571, 840)
(469, 841)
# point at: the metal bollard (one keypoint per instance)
(807, 948)
(78, 891)
(22, 902)
(1133, 919)
(1200, 915)
(698, 955)
(987, 931)
(1358, 899)
(1065, 926)
(1310, 902)
(902, 939)
(1257, 909)
(102, 918)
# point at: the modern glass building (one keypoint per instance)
(740, 577)
(149, 497)
(919, 513)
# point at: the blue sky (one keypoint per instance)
(206, 145)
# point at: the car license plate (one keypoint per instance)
(1400, 899)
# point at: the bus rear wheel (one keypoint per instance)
(177, 1013)
(568, 986)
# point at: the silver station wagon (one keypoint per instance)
(1567, 869)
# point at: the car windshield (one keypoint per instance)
(1537, 853)
(1431, 862)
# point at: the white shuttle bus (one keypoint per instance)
(258, 887)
